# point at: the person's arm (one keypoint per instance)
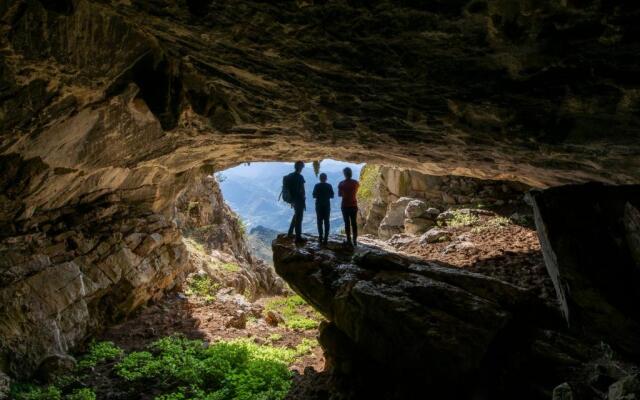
(315, 191)
(330, 192)
(340, 189)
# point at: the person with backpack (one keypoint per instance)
(323, 193)
(348, 189)
(293, 193)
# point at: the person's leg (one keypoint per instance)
(354, 224)
(293, 223)
(326, 225)
(299, 215)
(319, 220)
(347, 223)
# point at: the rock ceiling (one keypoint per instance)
(117, 95)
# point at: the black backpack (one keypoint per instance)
(287, 190)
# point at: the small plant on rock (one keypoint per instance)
(202, 286)
(297, 314)
(462, 219)
(99, 352)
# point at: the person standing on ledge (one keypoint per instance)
(348, 189)
(323, 193)
(293, 193)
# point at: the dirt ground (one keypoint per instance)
(509, 252)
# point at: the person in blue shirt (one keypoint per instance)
(323, 193)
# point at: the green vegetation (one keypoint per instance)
(32, 392)
(296, 312)
(242, 226)
(202, 286)
(230, 267)
(462, 219)
(181, 368)
(99, 352)
(274, 337)
(195, 244)
(237, 369)
(81, 394)
(495, 222)
(368, 178)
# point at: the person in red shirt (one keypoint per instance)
(348, 189)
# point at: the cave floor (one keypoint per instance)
(485, 244)
(196, 318)
(490, 245)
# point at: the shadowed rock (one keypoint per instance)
(588, 234)
(404, 315)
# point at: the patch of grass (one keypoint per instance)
(21, 391)
(195, 244)
(202, 286)
(230, 267)
(274, 337)
(237, 369)
(295, 312)
(495, 222)
(462, 219)
(99, 352)
(368, 179)
(81, 394)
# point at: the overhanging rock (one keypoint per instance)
(407, 317)
(589, 238)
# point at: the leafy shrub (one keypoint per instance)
(462, 219)
(295, 312)
(32, 392)
(274, 337)
(81, 394)
(495, 222)
(368, 178)
(237, 369)
(99, 352)
(202, 286)
(231, 267)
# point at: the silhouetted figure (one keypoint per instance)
(348, 189)
(323, 193)
(293, 193)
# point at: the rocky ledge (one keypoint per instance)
(399, 324)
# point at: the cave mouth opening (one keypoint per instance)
(252, 190)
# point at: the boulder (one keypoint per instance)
(434, 235)
(396, 212)
(387, 231)
(627, 388)
(562, 392)
(416, 226)
(393, 221)
(238, 321)
(5, 386)
(415, 209)
(400, 315)
(588, 256)
(55, 367)
(273, 318)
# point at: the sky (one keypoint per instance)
(252, 191)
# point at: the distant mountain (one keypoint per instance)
(259, 240)
(252, 191)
